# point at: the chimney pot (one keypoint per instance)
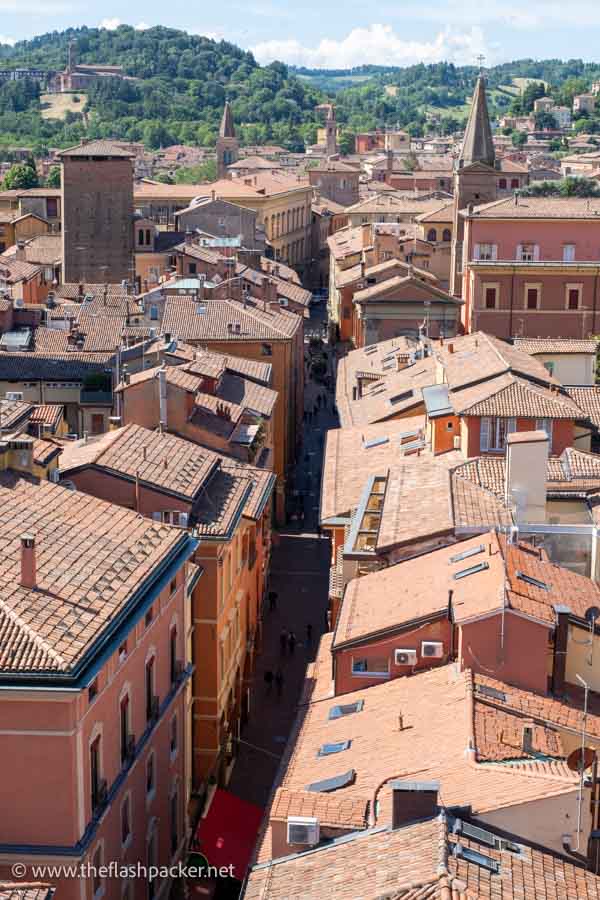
(28, 567)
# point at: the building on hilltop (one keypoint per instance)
(78, 76)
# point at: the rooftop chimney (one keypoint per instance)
(162, 394)
(20, 254)
(188, 238)
(28, 573)
(525, 478)
(413, 800)
(561, 636)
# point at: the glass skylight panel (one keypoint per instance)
(535, 582)
(376, 442)
(491, 692)
(480, 859)
(329, 749)
(397, 398)
(332, 784)
(480, 567)
(466, 554)
(346, 709)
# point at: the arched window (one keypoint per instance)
(432, 235)
(502, 184)
(447, 235)
(141, 237)
(148, 236)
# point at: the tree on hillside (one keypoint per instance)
(20, 177)
(347, 142)
(519, 138)
(545, 121)
(53, 179)
(523, 105)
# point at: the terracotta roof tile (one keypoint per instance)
(90, 554)
(169, 462)
(555, 345)
(182, 319)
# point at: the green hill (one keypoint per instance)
(181, 82)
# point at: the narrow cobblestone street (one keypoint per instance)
(299, 576)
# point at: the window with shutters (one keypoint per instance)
(573, 296)
(493, 432)
(568, 252)
(533, 294)
(544, 425)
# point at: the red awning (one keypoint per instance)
(227, 835)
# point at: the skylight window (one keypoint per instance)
(491, 692)
(480, 859)
(483, 836)
(480, 567)
(329, 749)
(535, 582)
(346, 709)
(375, 442)
(466, 554)
(332, 784)
(398, 398)
(371, 349)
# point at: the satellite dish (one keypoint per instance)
(585, 755)
(592, 614)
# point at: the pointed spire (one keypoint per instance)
(478, 145)
(227, 130)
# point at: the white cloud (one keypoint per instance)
(379, 45)
(110, 24)
(7, 40)
(142, 26)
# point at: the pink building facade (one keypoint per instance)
(532, 276)
(96, 743)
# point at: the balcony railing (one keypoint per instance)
(98, 398)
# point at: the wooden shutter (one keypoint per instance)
(484, 434)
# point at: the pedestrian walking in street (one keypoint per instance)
(291, 642)
(272, 600)
(268, 680)
(283, 641)
(309, 633)
(279, 682)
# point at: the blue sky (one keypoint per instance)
(343, 33)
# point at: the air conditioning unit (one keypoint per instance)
(432, 649)
(14, 395)
(456, 442)
(405, 657)
(303, 830)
